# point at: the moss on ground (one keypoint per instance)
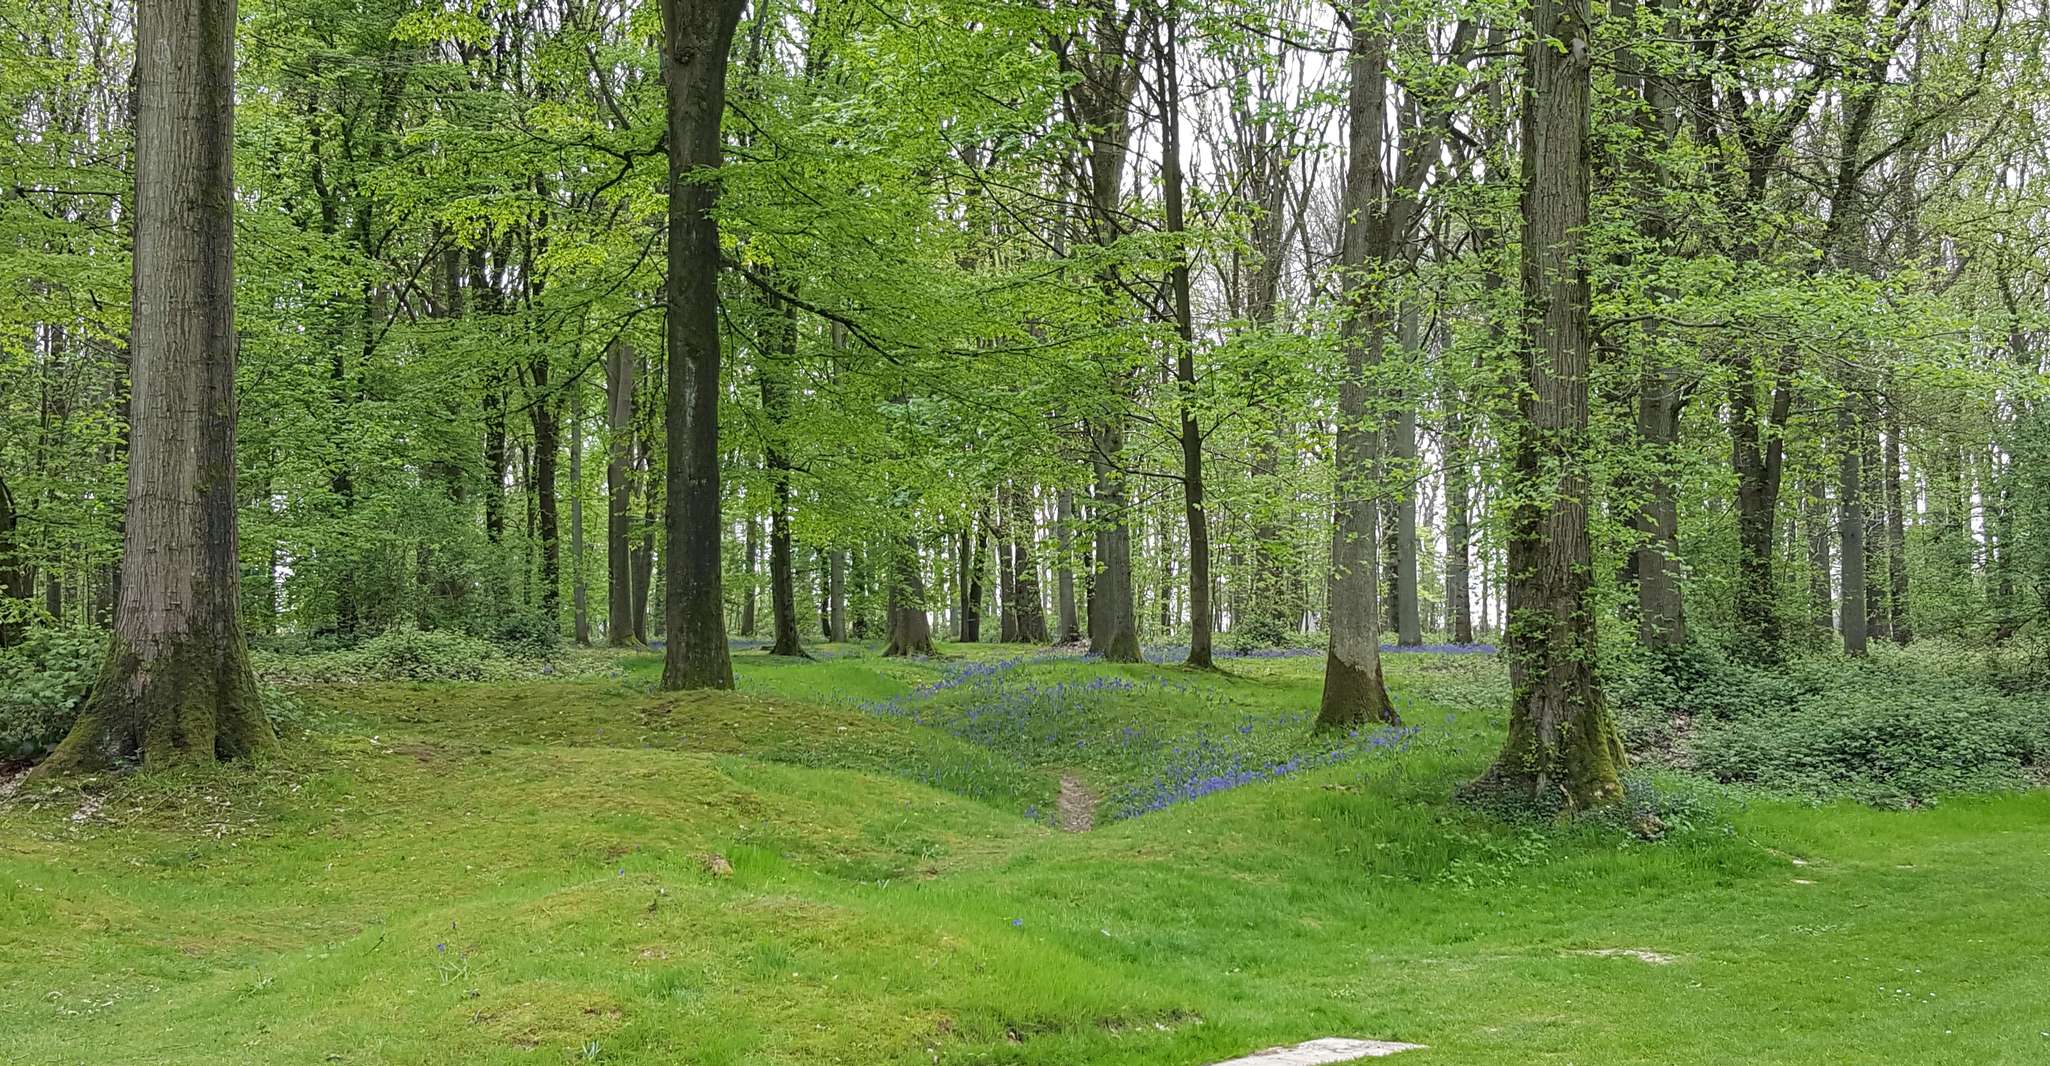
(589, 871)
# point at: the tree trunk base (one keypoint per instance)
(1354, 696)
(194, 701)
(905, 647)
(1121, 648)
(1579, 768)
(684, 667)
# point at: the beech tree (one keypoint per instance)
(177, 684)
(1562, 749)
(697, 35)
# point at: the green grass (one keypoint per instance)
(520, 873)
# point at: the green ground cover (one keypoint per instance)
(854, 861)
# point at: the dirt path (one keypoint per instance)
(1076, 809)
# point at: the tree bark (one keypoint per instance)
(1851, 531)
(1064, 572)
(971, 600)
(1354, 690)
(541, 413)
(15, 580)
(1189, 432)
(177, 684)
(1116, 615)
(1405, 601)
(1896, 530)
(580, 592)
(1027, 607)
(619, 577)
(837, 578)
(1563, 749)
(697, 35)
(776, 415)
(750, 556)
(910, 627)
(1655, 562)
(1007, 571)
(1458, 524)
(1815, 520)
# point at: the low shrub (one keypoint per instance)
(1899, 728)
(396, 655)
(43, 682)
(526, 635)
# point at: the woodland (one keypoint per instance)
(1024, 531)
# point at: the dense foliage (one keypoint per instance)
(996, 272)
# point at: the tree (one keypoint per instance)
(1354, 690)
(1562, 747)
(1189, 433)
(697, 35)
(177, 684)
(619, 441)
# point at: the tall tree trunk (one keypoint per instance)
(1064, 572)
(1405, 601)
(1116, 613)
(1815, 519)
(910, 628)
(1562, 749)
(644, 545)
(971, 599)
(1896, 530)
(750, 554)
(1190, 434)
(1029, 610)
(1851, 530)
(697, 35)
(1458, 524)
(580, 592)
(541, 413)
(177, 684)
(776, 414)
(1876, 618)
(1007, 571)
(837, 579)
(1661, 608)
(963, 542)
(1757, 455)
(619, 580)
(15, 579)
(1105, 57)
(1354, 690)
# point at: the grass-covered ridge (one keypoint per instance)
(828, 866)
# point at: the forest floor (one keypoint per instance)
(863, 861)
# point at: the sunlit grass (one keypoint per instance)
(526, 873)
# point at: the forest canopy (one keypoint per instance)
(1163, 322)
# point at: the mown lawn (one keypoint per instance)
(853, 861)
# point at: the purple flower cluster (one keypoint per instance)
(1174, 653)
(988, 707)
(1206, 766)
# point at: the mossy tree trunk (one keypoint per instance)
(697, 36)
(910, 629)
(1562, 750)
(1354, 690)
(176, 685)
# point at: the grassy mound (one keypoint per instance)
(567, 871)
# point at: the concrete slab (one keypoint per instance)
(1324, 1050)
